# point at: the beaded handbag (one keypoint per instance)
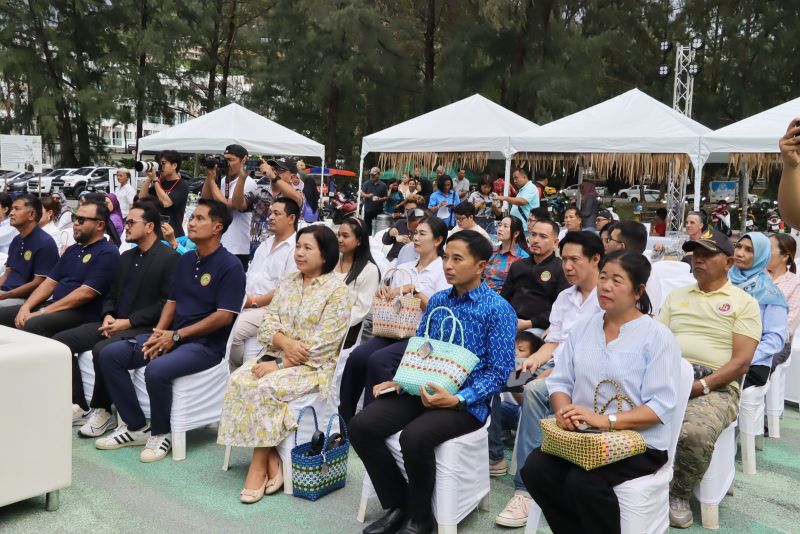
(591, 450)
(443, 363)
(397, 318)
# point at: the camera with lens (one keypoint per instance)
(146, 166)
(216, 161)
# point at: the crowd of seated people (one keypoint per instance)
(568, 306)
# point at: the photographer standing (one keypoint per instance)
(168, 187)
(237, 191)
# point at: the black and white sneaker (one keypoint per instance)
(122, 437)
(156, 448)
(100, 421)
(79, 417)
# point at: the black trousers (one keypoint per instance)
(87, 337)
(574, 500)
(245, 259)
(423, 429)
(49, 324)
(369, 216)
(757, 375)
(369, 364)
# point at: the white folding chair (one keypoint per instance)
(458, 490)
(751, 424)
(324, 409)
(776, 398)
(644, 501)
(718, 480)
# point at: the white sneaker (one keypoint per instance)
(79, 417)
(100, 422)
(515, 514)
(156, 448)
(122, 437)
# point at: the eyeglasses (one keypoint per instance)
(461, 218)
(131, 222)
(610, 239)
(81, 220)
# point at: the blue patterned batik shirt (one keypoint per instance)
(490, 327)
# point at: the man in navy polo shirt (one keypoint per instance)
(32, 253)
(72, 294)
(207, 292)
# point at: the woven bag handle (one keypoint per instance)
(300, 416)
(387, 278)
(342, 427)
(619, 397)
(452, 317)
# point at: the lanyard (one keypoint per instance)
(168, 191)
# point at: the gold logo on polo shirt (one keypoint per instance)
(205, 279)
(28, 254)
(545, 276)
(87, 258)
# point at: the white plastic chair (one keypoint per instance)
(776, 398)
(644, 501)
(196, 399)
(324, 408)
(458, 491)
(751, 424)
(718, 480)
(667, 275)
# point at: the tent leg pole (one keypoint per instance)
(698, 186)
(507, 184)
(360, 177)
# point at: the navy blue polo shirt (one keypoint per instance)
(94, 265)
(201, 286)
(33, 255)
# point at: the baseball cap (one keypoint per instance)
(712, 240)
(374, 170)
(236, 150)
(605, 214)
(287, 164)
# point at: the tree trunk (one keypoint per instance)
(213, 58)
(430, 55)
(228, 50)
(140, 81)
(333, 126)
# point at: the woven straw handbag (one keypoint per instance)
(398, 318)
(443, 363)
(591, 450)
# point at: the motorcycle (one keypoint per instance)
(556, 205)
(721, 218)
(340, 206)
(774, 222)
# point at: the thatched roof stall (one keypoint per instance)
(630, 135)
(466, 133)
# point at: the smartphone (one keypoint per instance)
(797, 125)
(164, 219)
(386, 391)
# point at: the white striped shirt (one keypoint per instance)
(644, 360)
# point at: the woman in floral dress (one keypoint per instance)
(302, 330)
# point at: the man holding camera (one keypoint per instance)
(168, 187)
(237, 191)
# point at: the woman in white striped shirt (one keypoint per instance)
(625, 345)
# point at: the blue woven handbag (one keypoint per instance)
(443, 363)
(320, 474)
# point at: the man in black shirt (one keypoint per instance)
(534, 283)
(138, 293)
(399, 234)
(373, 194)
(168, 188)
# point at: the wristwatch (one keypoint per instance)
(176, 337)
(612, 421)
(706, 389)
(279, 363)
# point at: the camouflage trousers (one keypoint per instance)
(706, 417)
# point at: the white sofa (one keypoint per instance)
(35, 379)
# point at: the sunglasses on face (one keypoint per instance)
(81, 220)
(130, 222)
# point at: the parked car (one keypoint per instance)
(73, 184)
(7, 178)
(45, 184)
(572, 190)
(20, 183)
(633, 193)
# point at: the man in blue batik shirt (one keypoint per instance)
(427, 420)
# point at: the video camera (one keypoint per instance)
(216, 161)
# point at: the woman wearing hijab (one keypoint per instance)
(589, 204)
(115, 212)
(749, 272)
(63, 219)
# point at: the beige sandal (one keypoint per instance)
(274, 484)
(250, 496)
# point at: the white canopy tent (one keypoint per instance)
(474, 124)
(633, 124)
